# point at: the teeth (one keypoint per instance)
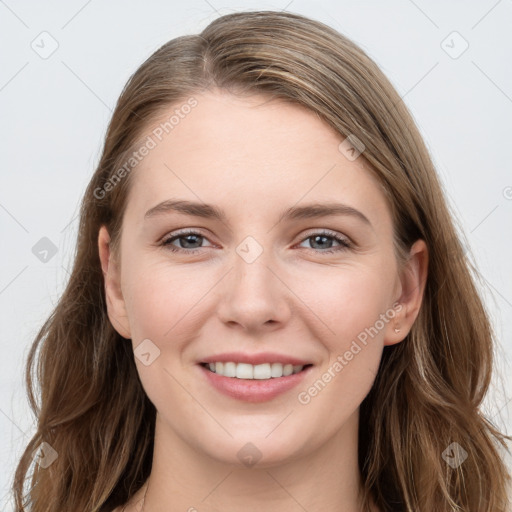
(229, 370)
(243, 371)
(259, 371)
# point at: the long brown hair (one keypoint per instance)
(92, 409)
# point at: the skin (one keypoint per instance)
(253, 158)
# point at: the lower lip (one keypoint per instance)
(254, 390)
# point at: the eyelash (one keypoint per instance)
(344, 243)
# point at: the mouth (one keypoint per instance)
(253, 383)
(246, 371)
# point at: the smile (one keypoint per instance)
(253, 383)
(249, 371)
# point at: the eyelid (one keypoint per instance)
(326, 232)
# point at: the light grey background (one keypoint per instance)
(54, 113)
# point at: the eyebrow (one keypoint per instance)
(208, 211)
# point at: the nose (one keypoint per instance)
(254, 295)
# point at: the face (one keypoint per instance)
(271, 280)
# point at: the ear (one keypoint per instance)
(116, 308)
(413, 278)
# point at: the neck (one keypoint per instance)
(325, 478)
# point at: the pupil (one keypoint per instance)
(320, 237)
(190, 236)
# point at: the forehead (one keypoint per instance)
(251, 153)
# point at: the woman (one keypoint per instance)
(260, 369)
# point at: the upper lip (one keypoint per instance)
(254, 359)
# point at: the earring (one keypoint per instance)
(397, 330)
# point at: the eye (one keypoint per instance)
(322, 237)
(189, 239)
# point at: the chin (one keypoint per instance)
(254, 450)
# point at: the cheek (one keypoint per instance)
(353, 306)
(159, 299)
(161, 303)
(346, 302)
